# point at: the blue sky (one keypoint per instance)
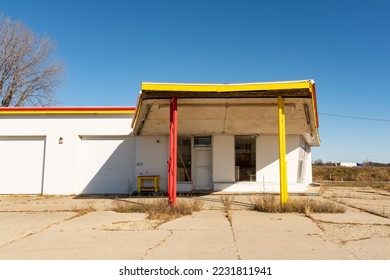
(110, 47)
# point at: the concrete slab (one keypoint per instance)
(343, 233)
(370, 249)
(352, 216)
(204, 235)
(84, 238)
(53, 203)
(39, 227)
(15, 226)
(365, 198)
(282, 237)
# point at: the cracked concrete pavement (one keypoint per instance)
(39, 227)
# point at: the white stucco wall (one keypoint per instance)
(267, 165)
(152, 157)
(267, 158)
(61, 173)
(309, 171)
(292, 157)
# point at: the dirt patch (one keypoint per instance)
(132, 225)
(360, 198)
(368, 199)
(343, 233)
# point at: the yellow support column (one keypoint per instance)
(282, 152)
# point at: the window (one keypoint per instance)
(202, 141)
(300, 170)
(245, 152)
(184, 158)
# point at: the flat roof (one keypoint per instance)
(66, 110)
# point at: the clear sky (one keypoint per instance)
(109, 47)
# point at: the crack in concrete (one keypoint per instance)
(342, 233)
(235, 242)
(140, 225)
(229, 217)
(333, 195)
(38, 212)
(359, 208)
(30, 233)
(158, 244)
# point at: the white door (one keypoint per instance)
(203, 168)
(21, 165)
(107, 164)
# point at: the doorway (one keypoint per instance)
(202, 168)
(202, 159)
(245, 152)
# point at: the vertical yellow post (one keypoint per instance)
(282, 152)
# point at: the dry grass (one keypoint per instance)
(375, 185)
(85, 211)
(340, 173)
(158, 208)
(90, 207)
(227, 203)
(121, 206)
(271, 204)
(381, 186)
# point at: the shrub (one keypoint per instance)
(271, 204)
(159, 208)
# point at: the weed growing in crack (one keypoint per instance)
(271, 204)
(308, 212)
(158, 208)
(83, 211)
(227, 203)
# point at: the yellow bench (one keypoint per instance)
(154, 178)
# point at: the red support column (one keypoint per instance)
(172, 161)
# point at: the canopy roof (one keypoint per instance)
(235, 109)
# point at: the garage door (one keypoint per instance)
(21, 165)
(107, 164)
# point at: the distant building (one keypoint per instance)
(349, 164)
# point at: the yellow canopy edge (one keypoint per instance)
(227, 87)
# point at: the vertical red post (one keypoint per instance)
(172, 161)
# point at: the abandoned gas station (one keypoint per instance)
(240, 138)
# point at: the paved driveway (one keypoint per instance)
(39, 227)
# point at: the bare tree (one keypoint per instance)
(28, 73)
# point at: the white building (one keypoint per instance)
(227, 141)
(348, 164)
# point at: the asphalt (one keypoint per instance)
(62, 228)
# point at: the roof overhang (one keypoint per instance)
(235, 109)
(67, 110)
